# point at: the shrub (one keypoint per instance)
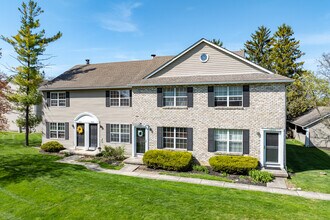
(168, 160)
(233, 164)
(261, 176)
(52, 146)
(201, 169)
(116, 153)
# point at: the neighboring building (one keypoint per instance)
(313, 128)
(206, 100)
(13, 115)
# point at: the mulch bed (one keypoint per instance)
(235, 178)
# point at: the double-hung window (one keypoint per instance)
(228, 96)
(175, 138)
(57, 99)
(119, 98)
(229, 141)
(175, 96)
(57, 130)
(119, 133)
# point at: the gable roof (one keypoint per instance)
(231, 53)
(312, 116)
(105, 75)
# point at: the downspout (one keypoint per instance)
(306, 137)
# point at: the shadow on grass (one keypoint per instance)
(21, 167)
(300, 158)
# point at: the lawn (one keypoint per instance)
(307, 164)
(34, 186)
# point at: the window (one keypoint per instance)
(120, 133)
(119, 98)
(57, 99)
(230, 141)
(57, 130)
(228, 96)
(175, 138)
(175, 97)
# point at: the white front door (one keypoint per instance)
(273, 148)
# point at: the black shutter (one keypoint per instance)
(130, 133)
(246, 96)
(48, 99)
(107, 132)
(246, 141)
(159, 97)
(130, 98)
(67, 131)
(210, 91)
(107, 99)
(211, 143)
(190, 96)
(159, 137)
(47, 130)
(67, 97)
(190, 139)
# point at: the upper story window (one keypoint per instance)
(57, 130)
(119, 98)
(229, 141)
(175, 138)
(175, 96)
(228, 96)
(57, 99)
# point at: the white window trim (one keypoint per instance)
(57, 130)
(228, 141)
(227, 96)
(120, 98)
(175, 98)
(120, 133)
(175, 138)
(57, 99)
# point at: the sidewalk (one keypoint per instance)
(130, 170)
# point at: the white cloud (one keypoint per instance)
(315, 39)
(119, 18)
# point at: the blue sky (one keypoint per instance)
(107, 31)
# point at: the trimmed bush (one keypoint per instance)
(116, 153)
(168, 160)
(52, 146)
(261, 176)
(233, 164)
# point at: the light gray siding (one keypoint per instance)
(320, 134)
(219, 63)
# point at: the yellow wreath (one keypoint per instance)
(80, 130)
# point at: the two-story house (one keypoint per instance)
(206, 100)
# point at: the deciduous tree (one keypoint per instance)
(29, 44)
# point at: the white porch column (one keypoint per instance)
(86, 136)
(133, 141)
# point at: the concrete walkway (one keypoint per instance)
(130, 170)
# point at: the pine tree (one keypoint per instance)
(217, 42)
(29, 44)
(259, 47)
(285, 53)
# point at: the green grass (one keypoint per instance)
(307, 163)
(104, 164)
(198, 175)
(34, 186)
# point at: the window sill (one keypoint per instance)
(175, 107)
(228, 153)
(177, 149)
(229, 108)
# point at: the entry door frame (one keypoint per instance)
(86, 118)
(134, 127)
(281, 148)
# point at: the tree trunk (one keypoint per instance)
(27, 126)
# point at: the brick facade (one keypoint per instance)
(267, 110)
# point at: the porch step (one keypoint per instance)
(80, 152)
(277, 172)
(134, 160)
